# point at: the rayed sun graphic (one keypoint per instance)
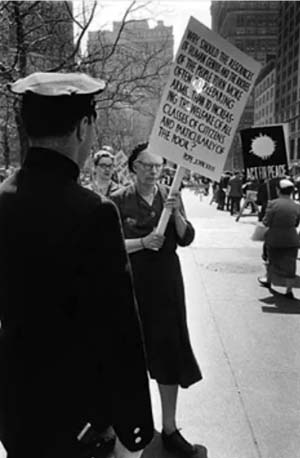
(263, 146)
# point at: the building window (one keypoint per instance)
(292, 146)
(298, 148)
(296, 65)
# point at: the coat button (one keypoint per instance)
(137, 430)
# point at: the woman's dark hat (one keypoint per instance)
(57, 84)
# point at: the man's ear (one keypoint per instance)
(82, 128)
(134, 166)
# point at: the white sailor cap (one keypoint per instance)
(285, 183)
(57, 84)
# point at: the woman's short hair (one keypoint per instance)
(102, 154)
(135, 154)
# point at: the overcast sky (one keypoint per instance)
(172, 12)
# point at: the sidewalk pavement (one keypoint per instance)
(246, 340)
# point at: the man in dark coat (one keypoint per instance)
(71, 352)
(235, 192)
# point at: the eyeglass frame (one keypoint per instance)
(105, 166)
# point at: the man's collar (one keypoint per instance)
(51, 161)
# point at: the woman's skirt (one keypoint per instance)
(160, 295)
(282, 264)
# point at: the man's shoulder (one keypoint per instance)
(89, 200)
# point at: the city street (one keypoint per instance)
(246, 340)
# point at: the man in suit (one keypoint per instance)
(71, 353)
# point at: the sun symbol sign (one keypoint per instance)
(263, 146)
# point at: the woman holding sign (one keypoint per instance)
(159, 285)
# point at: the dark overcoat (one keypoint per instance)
(71, 349)
(282, 218)
(159, 288)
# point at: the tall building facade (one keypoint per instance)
(251, 26)
(264, 96)
(135, 61)
(287, 106)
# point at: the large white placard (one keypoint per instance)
(204, 98)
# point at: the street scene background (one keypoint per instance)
(245, 337)
(246, 340)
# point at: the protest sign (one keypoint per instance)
(121, 167)
(203, 100)
(265, 152)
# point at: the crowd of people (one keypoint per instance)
(233, 193)
(233, 189)
(275, 201)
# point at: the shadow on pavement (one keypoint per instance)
(280, 304)
(156, 450)
(253, 223)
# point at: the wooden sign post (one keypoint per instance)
(164, 218)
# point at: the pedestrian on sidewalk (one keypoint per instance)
(235, 192)
(71, 349)
(267, 190)
(282, 239)
(159, 286)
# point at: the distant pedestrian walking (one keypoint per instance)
(235, 192)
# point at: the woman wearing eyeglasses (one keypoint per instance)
(103, 182)
(159, 285)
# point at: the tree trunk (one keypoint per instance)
(22, 64)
